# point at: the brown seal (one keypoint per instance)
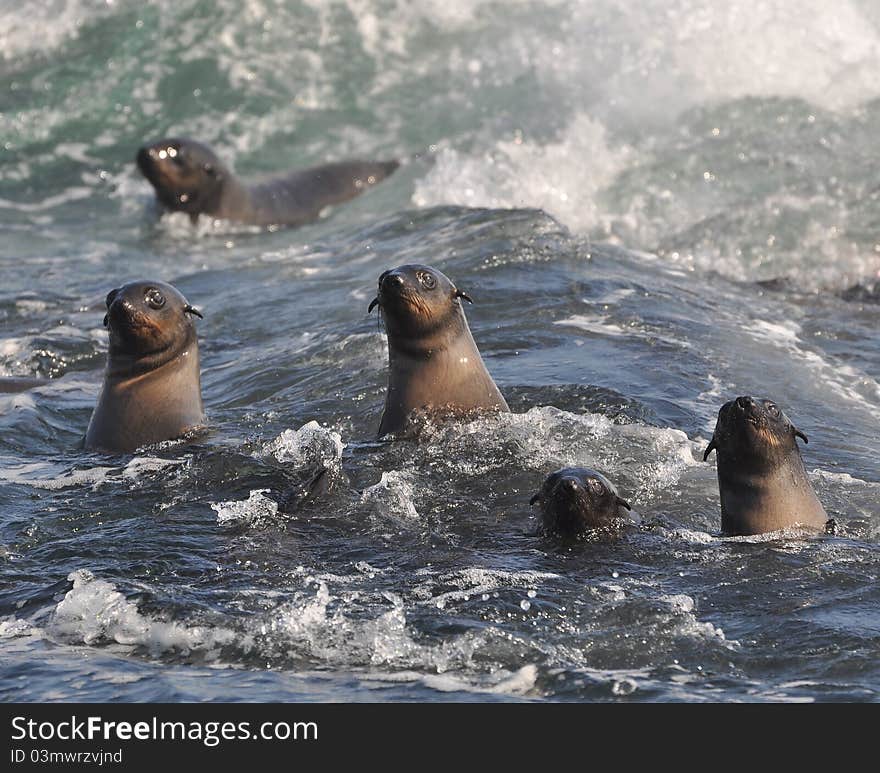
(434, 364)
(761, 476)
(188, 177)
(152, 387)
(576, 500)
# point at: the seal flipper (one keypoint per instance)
(710, 448)
(300, 197)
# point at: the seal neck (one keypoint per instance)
(230, 200)
(445, 336)
(125, 365)
(752, 466)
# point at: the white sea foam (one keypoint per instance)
(95, 612)
(593, 323)
(393, 496)
(309, 445)
(562, 177)
(320, 625)
(476, 581)
(12, 628)
(53, 476)
(501, 682)
(42, 25)
(547, 438)
(255, 510)
(683, 607)
(12, 347)
(600, 324)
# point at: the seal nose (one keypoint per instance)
(745, 402)
(391, 281)
(143, 155)
(119, 308)
(569, 485)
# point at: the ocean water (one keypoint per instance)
(655, 206)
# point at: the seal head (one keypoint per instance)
(151, 388)
(420, 305)
(576, 500)
(185, 174)
(434, 364)
(761, 476)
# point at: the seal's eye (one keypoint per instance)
(426, 280)
(773, 410)
(209, 170)
(154, 299)
(596, 486)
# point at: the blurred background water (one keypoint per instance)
(655, 207)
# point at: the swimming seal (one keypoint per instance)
(575, 500)
(433, 361)
(152, 388)
(761, 476)
(188, 177)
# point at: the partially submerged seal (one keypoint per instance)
(152, 387)
(433, 362)
(761, 476)
(188, 177)
(576, 500)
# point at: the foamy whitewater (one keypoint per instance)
(656, 207)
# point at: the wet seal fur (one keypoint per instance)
(188, 177)
(577, 500)
(152, 386)
(433, 363)
(761, 476)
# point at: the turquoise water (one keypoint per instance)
(655, 209)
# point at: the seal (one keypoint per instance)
(576, 500)
(434, 364)
(152, 388)
(188, 177)
(761, 476)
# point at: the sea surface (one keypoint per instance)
(656, 207)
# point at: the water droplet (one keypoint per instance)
(525, 605)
